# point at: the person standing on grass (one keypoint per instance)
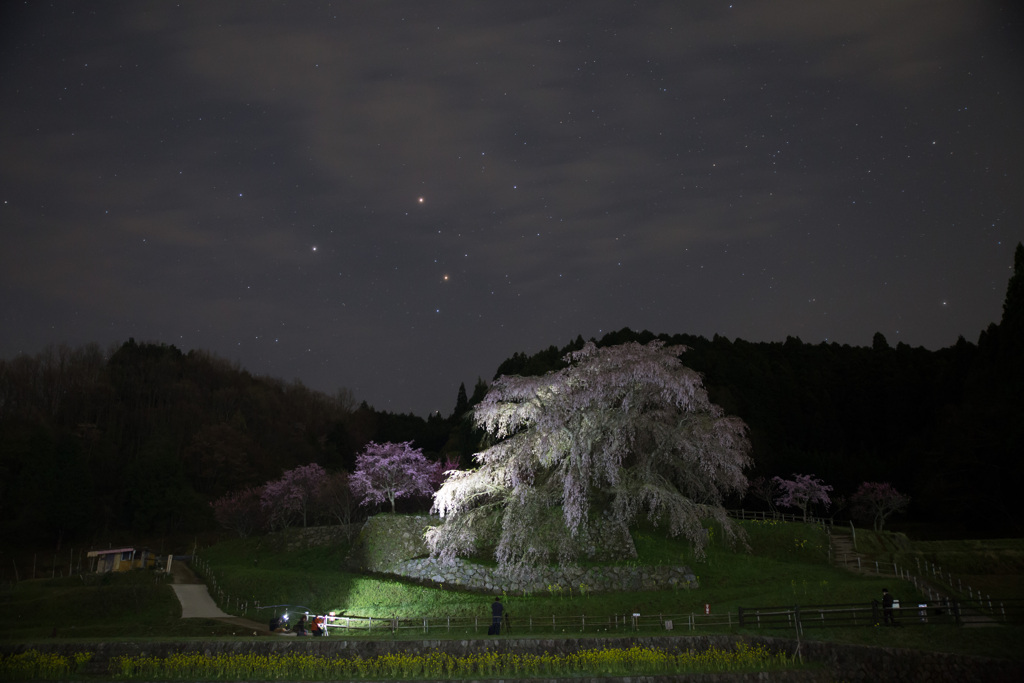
(887, 601)
(497, 609)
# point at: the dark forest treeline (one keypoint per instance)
(946, 427)
(144, 436)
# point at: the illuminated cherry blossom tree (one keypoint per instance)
(803, 491)
(581, 453)
(877, 501)
(386, 472)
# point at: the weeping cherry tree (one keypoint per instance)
(579, 454)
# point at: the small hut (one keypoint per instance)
(120, 560)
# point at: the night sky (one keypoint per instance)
(394, 197)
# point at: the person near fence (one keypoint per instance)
(887, 615)
(300, 628)
(497, 609)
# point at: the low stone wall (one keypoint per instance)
(863, 663)
(393, 544)
(557, 580)
(304, 538)
(385, 540)
(833, 661)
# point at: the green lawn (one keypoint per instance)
(134, 604)
(787, 564)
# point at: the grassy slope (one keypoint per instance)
(137, 604)
(994, 567)
(787, 565)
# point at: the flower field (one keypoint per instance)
(438, 665)
(630, 661)
(33, 665)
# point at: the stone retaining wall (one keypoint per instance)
(386, 539)
(393, 544)
(304, 538)
(554, 580)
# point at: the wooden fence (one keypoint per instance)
(530, 625)
(761, 515)
(958, 612)
(779, 618)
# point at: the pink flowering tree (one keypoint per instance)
(292, 496)
(389, 471)
(239, 511)
(877, 501)
(803, 492)
(581, 453)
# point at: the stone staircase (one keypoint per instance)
(843, 554)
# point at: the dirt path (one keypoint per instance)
(196, 602)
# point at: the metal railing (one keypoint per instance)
(785, 617)
(958, 612)
(764, 516)
(344, 625)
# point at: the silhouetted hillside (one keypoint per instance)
(945, 426)
(144, 436)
